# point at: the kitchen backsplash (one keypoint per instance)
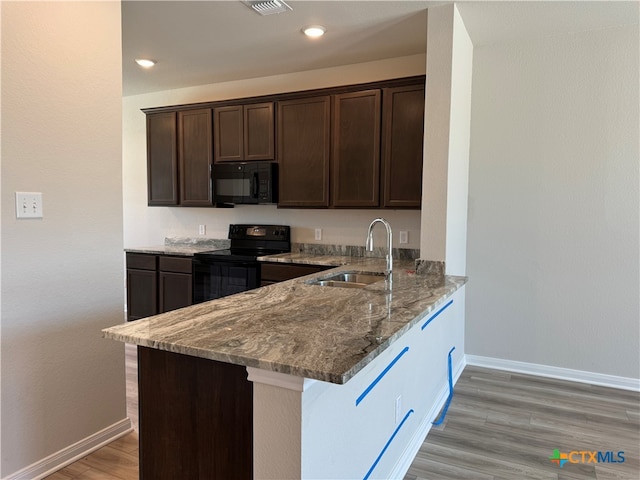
(308, 248)
(353, 251)
(213, 243)
(429, 267)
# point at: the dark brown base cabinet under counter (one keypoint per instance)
(157, 284)
(196, 418)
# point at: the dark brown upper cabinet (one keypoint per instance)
(303, 151)
(162, 159)
(355, 161)
(402, 146)
(195, 153)
(244, 132)
(351, 146)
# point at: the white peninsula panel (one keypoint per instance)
(317, 430)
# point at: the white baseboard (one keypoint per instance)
(72, 453)
(581, 376)
(406, 459)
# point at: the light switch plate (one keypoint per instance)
(404, 237)
(318, 234)
(28, 204)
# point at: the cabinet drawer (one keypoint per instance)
(175, 264)
(278, 272)
(141, 261)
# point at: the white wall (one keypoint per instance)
(62, 278)
(459, 139)
(437, 115)
(553, 213)
(446, 145)
(150, 225)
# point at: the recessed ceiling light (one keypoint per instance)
(145, 62)
(314, 31)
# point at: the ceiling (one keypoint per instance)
(202, 42)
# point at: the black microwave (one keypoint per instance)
(245, 183)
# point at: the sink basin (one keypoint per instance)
(348, 279)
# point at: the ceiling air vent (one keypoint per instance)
(267, 7)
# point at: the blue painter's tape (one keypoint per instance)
(379, 377)
(446, 405)
(387, 444)
(435, 315)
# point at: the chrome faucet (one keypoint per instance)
(369, 244)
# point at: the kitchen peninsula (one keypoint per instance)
(296, 380)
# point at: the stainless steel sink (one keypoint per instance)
(348, 279)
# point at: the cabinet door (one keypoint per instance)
(195, 153)
(402, 146)
(303, 152)
(175, 287)
(258, 131)
(228, 133)
(355, 179)
(162, 160)
(142, 299)
(175, 291)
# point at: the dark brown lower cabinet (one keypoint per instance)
(157, 284)
(175, 286)
(142, 286)
(196, 418)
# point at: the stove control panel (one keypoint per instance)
(262, 232)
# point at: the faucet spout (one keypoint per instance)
(369, 243)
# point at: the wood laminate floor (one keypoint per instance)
(503, 425)
(500, 425)
(116, 461)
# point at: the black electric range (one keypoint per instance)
(219, 273)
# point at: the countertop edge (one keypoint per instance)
(450, 284)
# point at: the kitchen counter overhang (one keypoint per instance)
(310, 331)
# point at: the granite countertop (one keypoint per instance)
(323, 333)
(307, 259)
(182, 246)
(186, 251)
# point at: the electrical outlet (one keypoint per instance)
(398, 408)
(404, 237)
(202, 229)
(28, 205)
(318, 234)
